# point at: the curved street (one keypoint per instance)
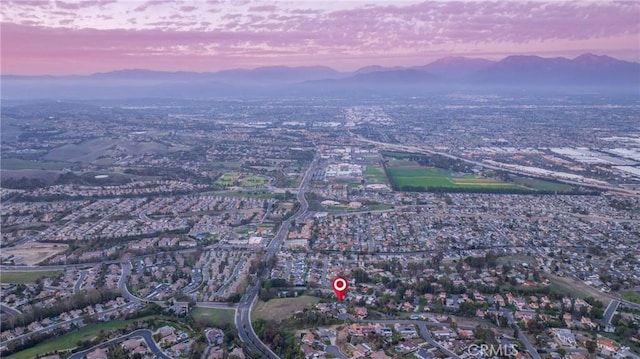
(146, 334)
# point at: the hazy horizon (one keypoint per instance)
(85, 37)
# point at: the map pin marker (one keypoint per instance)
(340, 285)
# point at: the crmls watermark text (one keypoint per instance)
(491, 350)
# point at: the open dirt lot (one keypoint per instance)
(33, 253)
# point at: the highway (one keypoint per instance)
(146, 334)
(243, 312)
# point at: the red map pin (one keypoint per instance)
(340, 285)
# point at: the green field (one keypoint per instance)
(20, 164)
(215, 316)
(282, 308)
(399, 155)
(69, 340)
(566, 289)
(375, 174)
(631, 296)
(240, 179)
(26, 277)
(408, 174)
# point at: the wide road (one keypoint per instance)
(521, 337)
(610, 311)
(243, 313)
(146, 334)
(11, 311)
(122, 283)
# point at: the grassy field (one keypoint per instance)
(215, 316)
(20, 164)
(399, 155)
(375, 174)
(406, 173)
(69, 340)
(282, 308)
(541, 185)
(567, 289)
(631, 296)
(26, 277)
(91, 150)
(240, 179)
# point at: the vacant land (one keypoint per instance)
(20, 164)
(407, 174)
(574, 287)
(26, 277)
(104, 147)
(215, 316)
(541, 185)
(32, 253)
(631, 296)
(282, 308)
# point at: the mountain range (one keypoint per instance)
(587, 70)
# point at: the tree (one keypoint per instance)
(562, 351)
(591, 346)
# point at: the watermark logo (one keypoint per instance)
(492, 350)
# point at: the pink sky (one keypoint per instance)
(82, 37)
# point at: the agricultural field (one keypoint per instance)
(407, 174)
(239, 179)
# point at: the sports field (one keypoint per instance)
(240, 179)
(409, 174)
(375, 174)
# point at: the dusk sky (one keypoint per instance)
(82, 37)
